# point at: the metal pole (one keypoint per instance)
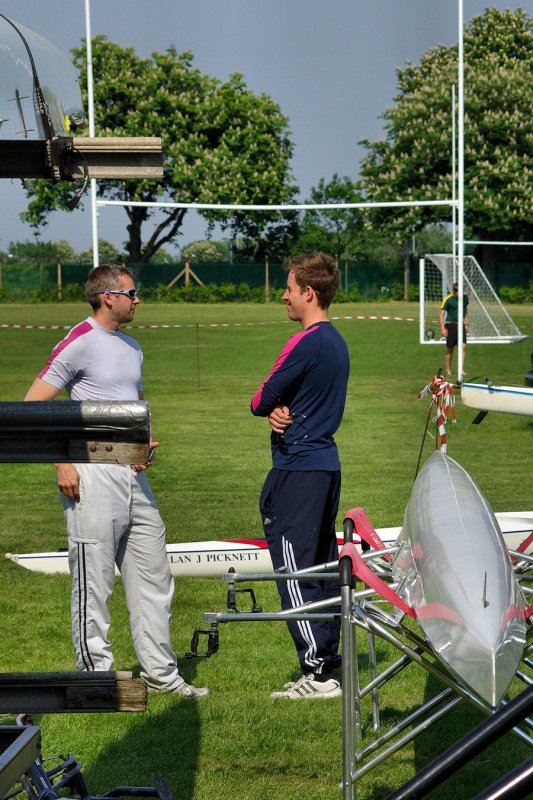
(454, 182)
(460, 193)
(59, 280)
(350, 713)
(422, 298)
(198, 357)
(90, 101)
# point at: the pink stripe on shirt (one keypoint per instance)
(287, 350)
(79, 330)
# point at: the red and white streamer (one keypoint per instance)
(443, 397)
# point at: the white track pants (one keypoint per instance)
(117, 521)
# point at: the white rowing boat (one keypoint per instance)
(455, 572)
(507, 399)
(214, 558)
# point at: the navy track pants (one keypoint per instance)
(298, 509)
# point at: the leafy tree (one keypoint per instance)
(162, 256)
(204, 251)
(42, 252)
(414, 161)
(222, 143)
(276, 240)
(339, 231)
(107, 253)
(434, 238)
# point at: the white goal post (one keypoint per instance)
(489, 322)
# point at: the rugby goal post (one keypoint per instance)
(489, 322)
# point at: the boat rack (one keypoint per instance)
(364, 609)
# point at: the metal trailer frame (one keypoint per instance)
(364, 609)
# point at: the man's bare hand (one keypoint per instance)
(151, 456)
(279, 419)
(68, 481)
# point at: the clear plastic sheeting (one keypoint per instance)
(454, 570)
(22, 53)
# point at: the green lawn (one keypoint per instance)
(209, 469)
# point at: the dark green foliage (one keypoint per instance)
(413, 162)
(222, 143)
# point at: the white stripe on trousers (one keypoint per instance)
(293, 588)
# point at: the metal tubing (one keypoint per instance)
(411, 719)
(431, 668)
(350, 682)
(386, 675)
(371, 642)
(408, 737)
(239, 577)
(349, 660)
(467, 747)
(513, 786)
(264, 616)
(235, 577)
(127, 417)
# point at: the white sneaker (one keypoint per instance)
(292, 684)
(188, 690)
(307, 688)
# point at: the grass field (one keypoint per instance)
(209, 469)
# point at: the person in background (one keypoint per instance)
(449, 316)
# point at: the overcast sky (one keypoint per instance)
(329, 64)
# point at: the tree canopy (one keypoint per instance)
(414, 162)
(221, 143)
(42, 252)
(338, 231)
(205, 251)
(107, 253)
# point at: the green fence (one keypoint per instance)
(370, 279)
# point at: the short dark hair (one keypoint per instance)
(319, 271)
(455, 287)
(106, 276)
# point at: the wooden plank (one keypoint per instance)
(51, 450)
(69, 692)
(121, 158)
(108, 452)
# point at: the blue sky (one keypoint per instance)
(331, 66)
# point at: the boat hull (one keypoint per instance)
(214, 558)
(506, 399)
(455, 572)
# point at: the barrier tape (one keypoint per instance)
(202, 324)
(443, 397)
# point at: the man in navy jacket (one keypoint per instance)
(304, 398)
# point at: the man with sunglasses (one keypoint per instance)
(110, 511)
(304, 398)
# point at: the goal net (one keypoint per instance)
(489, 322)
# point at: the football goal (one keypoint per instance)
(489, 322)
